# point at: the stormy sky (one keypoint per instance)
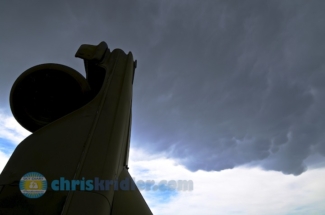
(219, 84)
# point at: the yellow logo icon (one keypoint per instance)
(33, 185)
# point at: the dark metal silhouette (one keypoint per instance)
(81, 129)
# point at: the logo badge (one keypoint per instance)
(33, 185)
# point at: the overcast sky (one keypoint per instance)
(221, 86)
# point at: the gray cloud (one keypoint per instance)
(219, 84)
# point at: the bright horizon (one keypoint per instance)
(242, 190)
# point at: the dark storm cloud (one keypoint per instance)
(219, 84)
(240, 88)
